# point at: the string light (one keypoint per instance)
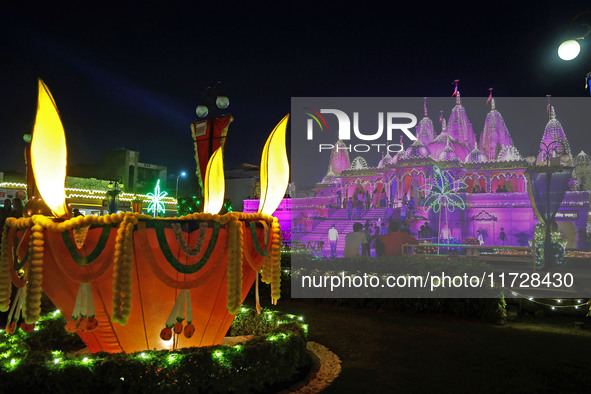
(578, 304)
(13, 345)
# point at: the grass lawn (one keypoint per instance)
(382, 352)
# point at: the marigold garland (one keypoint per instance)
(123, 266)
(5, 282)
(34, 274)
(123, 257)
(275, 261)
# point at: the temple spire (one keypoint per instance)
(425, 105)
(456, 92)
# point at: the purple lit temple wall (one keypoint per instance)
(488, 212)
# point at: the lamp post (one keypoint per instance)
(182, 174)
(546, 193)
(115, 188)
(212, 98)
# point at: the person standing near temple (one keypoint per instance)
(354, 240)
(365, 246)
(502, 236)
(392, 242)
(403, 211)
(389, 212)
(333, 237)
(350, 208)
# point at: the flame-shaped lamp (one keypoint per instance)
(214, 185)
(48, 153)
(274, 169)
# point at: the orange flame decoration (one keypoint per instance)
(214, 185)
(49, 154)
(274, 169)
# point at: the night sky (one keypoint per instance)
(131, 75)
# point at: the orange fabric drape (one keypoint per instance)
(152, 294)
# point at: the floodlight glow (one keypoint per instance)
(569, 50)
(274, 169)
(49, 153)
(214, 185)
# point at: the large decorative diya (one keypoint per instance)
(130, 282)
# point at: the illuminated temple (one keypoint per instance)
(489, 175)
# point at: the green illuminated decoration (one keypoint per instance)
(558, 245)
(443, 192)
(156, 205)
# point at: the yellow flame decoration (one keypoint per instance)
(274, 169)
(49, 153)
(214, 185)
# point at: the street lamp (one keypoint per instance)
(570, 49)
(182, 174)
(549, 175)
(210, 130)
(212, 98)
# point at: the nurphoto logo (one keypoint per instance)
(389, 121)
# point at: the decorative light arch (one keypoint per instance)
(359, 163)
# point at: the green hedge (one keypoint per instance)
(269, 361)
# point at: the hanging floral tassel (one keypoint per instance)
(180, 313)
(83, 316)
(17, 306)
(189, 328)
(166, 333)
(92, 322)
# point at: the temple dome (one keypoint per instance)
(385, 160)
(448, 153)
(476, 156)
(425, 128)
(417, 150)
(437, 146)
(582, 159)
(553, 132)
(339, 159)
(495, 135)
(459, 126)
(509, 153)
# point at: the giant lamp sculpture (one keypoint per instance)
(138, 267)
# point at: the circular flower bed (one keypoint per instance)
(44, 360)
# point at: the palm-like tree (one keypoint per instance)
(443, 192)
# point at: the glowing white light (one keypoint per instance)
(569, 49)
